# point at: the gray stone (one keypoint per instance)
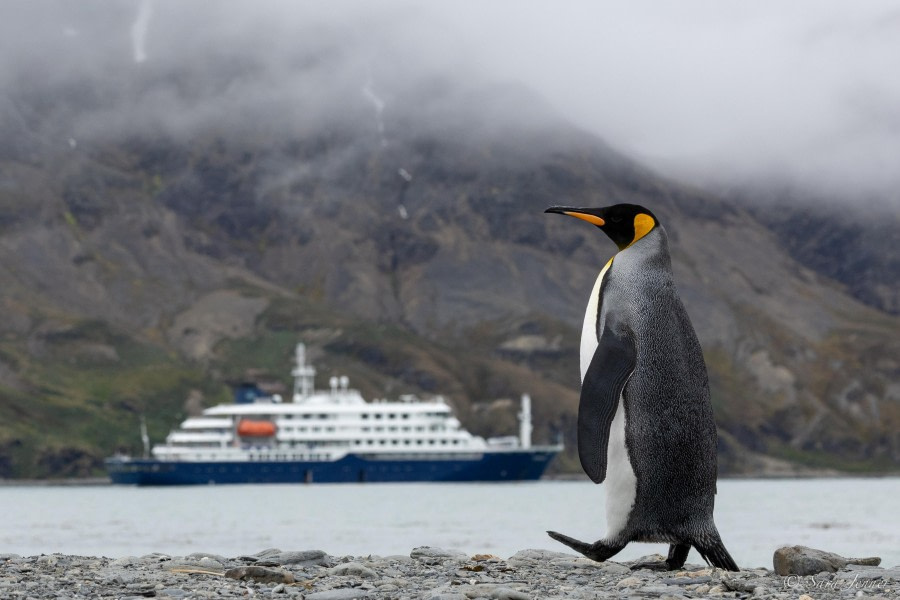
(397, 558)
(202, 555)
(299, 558)
(654, 590)
(686, 580)
(505, 593)
(352, 569)
(527, 558)
(339, 594)
(869, 573)
(649, 559)
(431, 555)
(191, 564)
(260, 574)
(742, 584)
(48, 559)
(156, 557)
(628, 582)
(614, 568)
(801, 560)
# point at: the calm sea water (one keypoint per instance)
(853, 517)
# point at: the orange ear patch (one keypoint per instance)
(643, 223)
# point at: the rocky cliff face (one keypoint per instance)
(404, 241)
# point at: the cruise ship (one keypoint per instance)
(331, 436)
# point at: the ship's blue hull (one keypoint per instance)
(491, 466)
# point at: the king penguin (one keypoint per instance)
(645, 422)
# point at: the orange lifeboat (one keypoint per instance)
(248, 428)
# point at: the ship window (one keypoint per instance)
(323, 416)
(418, 442)
(364, 415)
(431, 442)
(377, 416)
(405, 416)
(406, 442)
(382, 442)
(366, 429)
(392, 416)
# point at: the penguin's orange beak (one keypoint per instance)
(584, 214)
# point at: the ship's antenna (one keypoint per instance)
(145, 438)
(304, 374)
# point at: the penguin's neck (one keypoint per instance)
(649, 252)
(647, 260)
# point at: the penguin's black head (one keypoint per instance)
(623, 223)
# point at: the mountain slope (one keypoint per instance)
(160, 233)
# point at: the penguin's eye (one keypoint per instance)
(616, 219)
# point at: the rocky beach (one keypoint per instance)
(428, 573)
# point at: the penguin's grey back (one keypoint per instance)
(670, 432)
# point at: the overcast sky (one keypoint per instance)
(807, 88)
(733, 88)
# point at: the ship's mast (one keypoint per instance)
(525, 422)
(304, 374)
(145, 438)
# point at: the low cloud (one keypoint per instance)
(726, 90)
(803, 90)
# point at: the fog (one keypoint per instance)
(723, 90)
(801, 89)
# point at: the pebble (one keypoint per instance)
(434, 556)
(425, 573)
(260, 574)
(352, 569)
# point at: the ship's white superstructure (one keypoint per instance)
(326, 425)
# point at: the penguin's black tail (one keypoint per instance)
(714, 553)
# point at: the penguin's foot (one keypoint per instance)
(652, 566)
(598, 551)
(677, 556)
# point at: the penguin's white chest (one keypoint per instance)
(621, 482)
(589, 339)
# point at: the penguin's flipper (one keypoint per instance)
(601, 389)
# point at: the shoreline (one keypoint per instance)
(105, 481)
(426, 573)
